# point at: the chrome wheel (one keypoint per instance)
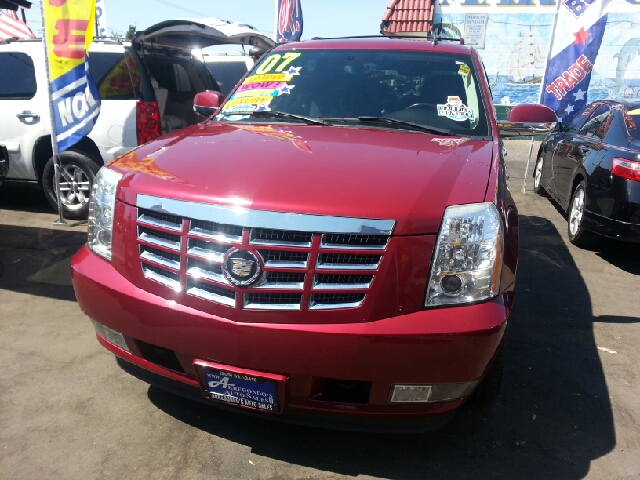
(75, 187)
(577, 209)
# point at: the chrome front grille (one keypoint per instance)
(263, 236)
(211, 292)
(326, 301)
(348, 261)
(309, 262)
(357, 242)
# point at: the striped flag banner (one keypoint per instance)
(577, 34)
(12, 27)
(288, 21)
(69, 28)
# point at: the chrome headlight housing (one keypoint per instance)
(101, 209)
(467, 260)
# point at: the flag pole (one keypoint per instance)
(54, 143)
(544, 74)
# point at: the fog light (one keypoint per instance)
(451, 284)
(410, 393)
(439, 392)
(110, 335)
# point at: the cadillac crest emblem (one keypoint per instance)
(241, 267)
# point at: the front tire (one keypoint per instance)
(537, 176)
(77, 174)
(575, 222)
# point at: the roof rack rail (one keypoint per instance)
(117, 41)
(14, 39)
(427, 36)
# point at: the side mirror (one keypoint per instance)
(528, 120)
(207, 103)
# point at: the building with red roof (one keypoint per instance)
(406, 17)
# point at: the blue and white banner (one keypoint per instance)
(288, 21)
(76, 104)
(101, 19)
(575, 41)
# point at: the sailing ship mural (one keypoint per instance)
(517, 40)
(525, 64)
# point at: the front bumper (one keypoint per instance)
(435, 346)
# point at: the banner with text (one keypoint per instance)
(575, 41)
(101, 19)
(69, 28)
(288, 21)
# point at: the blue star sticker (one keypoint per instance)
(262, 108)
(294, 71)
(285, 89)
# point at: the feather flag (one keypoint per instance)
(12, 27)
(288, 21)
(577, 34)
(76, 104)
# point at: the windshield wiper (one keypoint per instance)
(415, 126)
(276, 114)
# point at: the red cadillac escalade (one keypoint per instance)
(335, 245)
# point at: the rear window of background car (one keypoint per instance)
(118, 76)
(227, 74)
(17, 76)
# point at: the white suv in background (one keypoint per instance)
(146, 87)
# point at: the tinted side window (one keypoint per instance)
(181, 78)
(17, 76)
(598, 123)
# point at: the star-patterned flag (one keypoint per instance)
(575, 40)
(288, 21)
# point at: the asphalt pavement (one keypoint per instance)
(569, 407)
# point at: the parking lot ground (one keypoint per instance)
(569, 407)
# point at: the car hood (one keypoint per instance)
(322, 170)
(189, 34)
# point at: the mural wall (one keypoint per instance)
(517, 40)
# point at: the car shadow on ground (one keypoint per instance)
(35, 260)
(24, 199)
(621, 254)
(552, 418)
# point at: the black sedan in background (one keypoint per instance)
(591, 166)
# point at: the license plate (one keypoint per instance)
(241, 387)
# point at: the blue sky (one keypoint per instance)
(326, 18)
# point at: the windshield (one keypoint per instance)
(343, 86)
